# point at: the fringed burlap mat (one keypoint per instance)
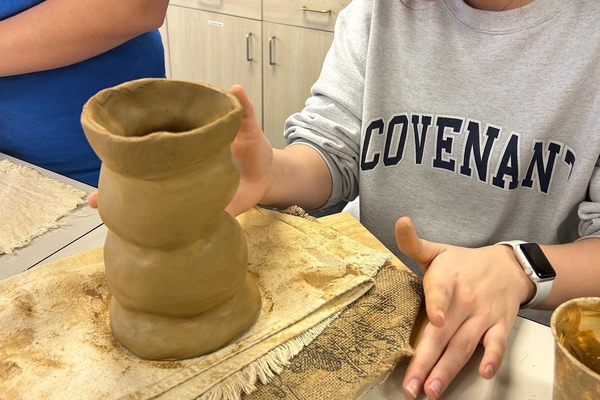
(366, 341)
(31, 204)
(56, 339)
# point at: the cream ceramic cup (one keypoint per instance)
(576, 328)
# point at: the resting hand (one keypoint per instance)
(471, 295)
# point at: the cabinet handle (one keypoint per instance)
(308, 9)
(249, 47)
(272, 50)
(214, 3)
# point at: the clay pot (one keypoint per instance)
(175, 260)
(576, 329)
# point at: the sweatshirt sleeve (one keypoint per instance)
(331, 119)
(589, 210)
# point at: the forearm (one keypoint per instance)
(57, 33)
(299, 176)
(577, 268)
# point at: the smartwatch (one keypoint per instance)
(537, 268)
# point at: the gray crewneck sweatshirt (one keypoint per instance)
(480, 126)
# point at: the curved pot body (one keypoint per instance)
(175, 260)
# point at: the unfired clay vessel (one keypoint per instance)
(175, 260)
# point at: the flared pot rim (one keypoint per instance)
(161, 149)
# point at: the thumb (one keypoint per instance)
(92, 199)
(423, 252)
(240, 93)
(250, 129)
(409, 243)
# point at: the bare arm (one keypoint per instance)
(577, 268)
(300, 177)
(57, 33)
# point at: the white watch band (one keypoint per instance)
(542, 287)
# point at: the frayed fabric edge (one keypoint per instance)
(266, 367)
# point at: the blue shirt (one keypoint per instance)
(40, 112)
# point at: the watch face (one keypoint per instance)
(538, 261)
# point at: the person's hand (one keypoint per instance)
(254, 156)
(471, 295)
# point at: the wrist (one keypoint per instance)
(271, 196)
(298, 176)
(536, 267)
(526, 287)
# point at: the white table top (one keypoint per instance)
(526, 372)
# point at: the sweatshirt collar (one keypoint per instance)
(504, 22)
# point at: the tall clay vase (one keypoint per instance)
(175, 260)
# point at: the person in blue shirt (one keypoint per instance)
(55, 55)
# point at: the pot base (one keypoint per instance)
(160, 337)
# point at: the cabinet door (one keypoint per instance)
(216, 49)
(315, 14)
(292, 63)
(241, 8)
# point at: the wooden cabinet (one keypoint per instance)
(240, 8)
(313, 14)
(217, 49)
(274, 48)
(292, 62)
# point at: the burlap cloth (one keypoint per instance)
(365, 342)
(31, 204)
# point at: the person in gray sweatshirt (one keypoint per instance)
(480, 121)
(472, 123)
